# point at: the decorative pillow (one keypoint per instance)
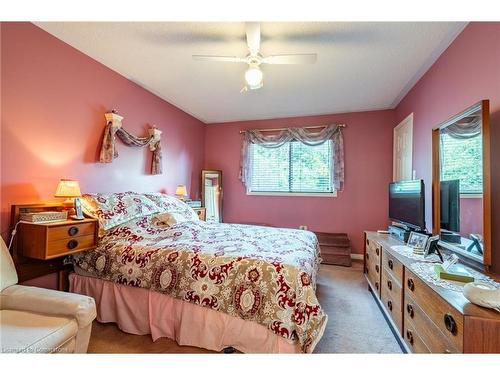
(172, 205)
(168, 219)
(112, 209)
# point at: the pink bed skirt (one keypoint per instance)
(141, 311)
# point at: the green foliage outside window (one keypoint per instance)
(292, 168)
(462, 159)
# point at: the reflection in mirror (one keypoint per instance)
(211, 195)
(461, 182)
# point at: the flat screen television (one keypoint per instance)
(450, 205)
(407, 203)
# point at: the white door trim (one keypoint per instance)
(408, 121)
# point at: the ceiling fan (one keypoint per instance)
(253, 75)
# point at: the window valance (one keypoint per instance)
(114, 128)
(308, 136)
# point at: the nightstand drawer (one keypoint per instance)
(69, 245)
(65, 231)
(51, 240)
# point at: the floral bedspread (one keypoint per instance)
(263, 274)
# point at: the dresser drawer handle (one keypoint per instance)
(409, 309)
(73, 231)
(389, 284)
(450, 324)
(376, 285)
(377, 251)
(377, 268)
(389, 305)
(367, 256)
(411, 284)
(367, 242)
(72, 244)
(391, 265)
(409, 336)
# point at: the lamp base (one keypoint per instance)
(69, 205)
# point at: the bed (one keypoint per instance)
(159, 270)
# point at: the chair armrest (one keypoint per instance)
(49, 302)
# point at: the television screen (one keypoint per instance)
(406, 203)
(450, 205)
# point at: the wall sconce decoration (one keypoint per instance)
(114, 128)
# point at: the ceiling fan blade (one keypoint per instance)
(253, 37)
(220, 58)
(302, 58)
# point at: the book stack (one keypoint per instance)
(455, 272)
(193, 203)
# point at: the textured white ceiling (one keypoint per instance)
(361, 66)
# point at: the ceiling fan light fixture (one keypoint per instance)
(253, 77)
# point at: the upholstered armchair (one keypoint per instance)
(37, 320)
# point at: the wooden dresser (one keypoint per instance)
(427, 318)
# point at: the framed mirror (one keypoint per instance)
(461, 189)
(211, 195)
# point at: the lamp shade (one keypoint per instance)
(181, 190)
(68, 189)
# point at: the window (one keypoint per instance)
(291, 168)
(462, 159)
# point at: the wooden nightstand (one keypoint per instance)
(201, 212)
(52, 240)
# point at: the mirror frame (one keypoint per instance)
(212, 171)
(484, 106)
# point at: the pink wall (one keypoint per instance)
(471, 216)
(467, 72)
(54, 99)
(368, 170)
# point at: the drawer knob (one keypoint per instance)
(391, 265)
(409, 309)
(389, 284)
(376, 284)
(450, 324)
(377, 251)
(411, 284)
(72, 244)
(409, 336)
(376, 268)
(72, 231)
(389, 305)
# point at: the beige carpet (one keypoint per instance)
(355, 323)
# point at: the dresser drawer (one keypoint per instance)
(413, 340)
(394, 267)
(374, 248)
(373, 273)
(433, 338)
(66, 231)
(392, 298)
(69, 245)
(448, 320)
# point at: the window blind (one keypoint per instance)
(292, 168)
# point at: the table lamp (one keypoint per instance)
(70, 189)
(181, 192)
